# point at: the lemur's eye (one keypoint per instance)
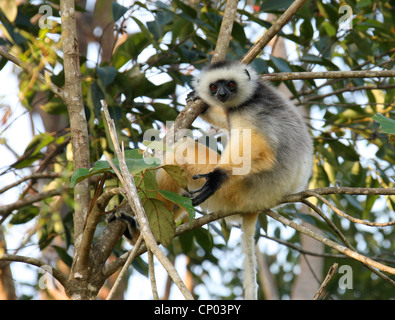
(231, 84)
(213, 87)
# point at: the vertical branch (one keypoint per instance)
(151, 270)
(226, 30)
(79, 129)
(134, 200)
(194, 108)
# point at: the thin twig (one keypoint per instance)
(6, 210)
(272, 32)
(151, 271)
(283, 76)
(352, 219)
(29, 69)
(35, 262)
(330, 243)
(132, 255)
(344, 239)
(329, 276)
(135, 203)
(193, 108)
(33, 176)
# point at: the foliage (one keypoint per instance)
(145, 83)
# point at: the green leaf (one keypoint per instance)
(148, 186)
(387, 125)
(79, 175)
(346, 152)
(118, 11)
(181, 201)
(25, 214)
(178, 174)
(204, 238)
(161, 221)
(63, 255)
(186, 242)
(309, 58)
(275, 5)
(106, 74)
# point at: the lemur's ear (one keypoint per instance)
(248, 74)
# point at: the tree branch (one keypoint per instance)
(91, 222)
(132, 255)
(272, 31)
(329, 276)
(301, 196)
(135, 203)
(327, 75)
(348, 89)
(330, 243)
(225, 32)
(35, 262)
(193, 108)
(79, 128)
(29, 69)
(33, 176)
(6, 210)
(296, 197)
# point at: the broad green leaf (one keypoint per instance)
(186, 242)
(118, 11)
(161, 221)
(79, 175)
(181, 201)
(178, 174)
(106, 74)
(387, 125)
(25, 214)
(204, 238)
(346, 152)
(62, 253)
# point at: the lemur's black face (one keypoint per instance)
(223, 90)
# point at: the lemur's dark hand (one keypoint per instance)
(214, 180)
(192, 96)
(132, 229)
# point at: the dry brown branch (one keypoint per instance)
(296, 197)
(283, 76)
(329, 276)
(35, 262)
(342, 237)
(151, 271)
(330, 243)
(29, 69)
(193, 108)
(133, 198)
(272, 32)
(352, 219)
(6, 210)
(132, 255)
(33, 176)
